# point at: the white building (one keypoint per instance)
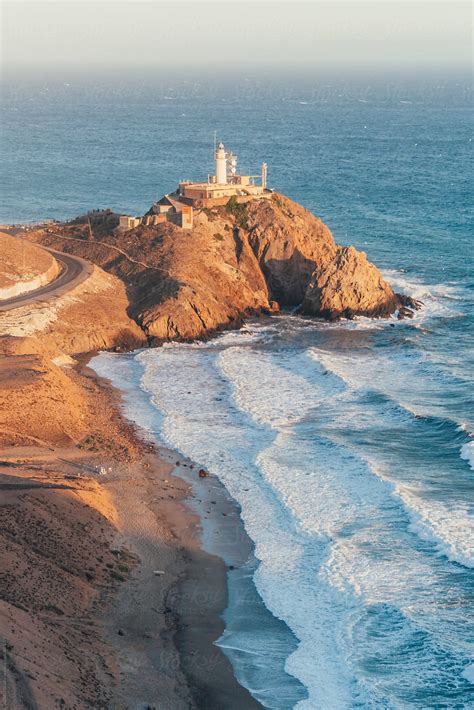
(224, 183)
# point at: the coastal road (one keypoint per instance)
(74, 271)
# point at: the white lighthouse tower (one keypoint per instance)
(225, 183)
(221, 164)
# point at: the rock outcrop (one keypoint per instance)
(348, 285)
(290, 243)
(238, 260)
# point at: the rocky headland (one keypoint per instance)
(240, 259)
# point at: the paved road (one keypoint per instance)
(74, 271)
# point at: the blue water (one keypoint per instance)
(348, 446)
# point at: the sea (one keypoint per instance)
(347, 446)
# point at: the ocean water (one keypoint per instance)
(349, 446)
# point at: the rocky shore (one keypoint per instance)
(238, 260)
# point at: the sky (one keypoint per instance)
(108, 35)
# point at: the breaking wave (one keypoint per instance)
(346, 466)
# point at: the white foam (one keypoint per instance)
(468, 673)
(467, 453)
(125, 371)
(331, 537)
(328, 490)
(201, 422)
(408, 378)
(417, 289)
(279, 383)
(443, 300)
(449, 524)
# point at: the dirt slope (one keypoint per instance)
(91, 316)
(23, 267)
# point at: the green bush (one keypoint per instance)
(238, 211)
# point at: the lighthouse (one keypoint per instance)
(221, 164)
(177, 207)
(224, 184)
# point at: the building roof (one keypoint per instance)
(175, 203)
(165, 200)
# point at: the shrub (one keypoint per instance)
(238, 211)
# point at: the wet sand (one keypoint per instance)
(165, 618)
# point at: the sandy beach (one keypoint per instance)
(166, 617)
(108, 599)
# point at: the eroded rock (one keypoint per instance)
(188, 284)
(348, 285)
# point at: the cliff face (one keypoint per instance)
(210, 280)
(289, 243)
(238, 260)
(348, 285)
(303, 266)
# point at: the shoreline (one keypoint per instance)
(244, 622)
(181, 608)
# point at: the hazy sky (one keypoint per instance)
(109, 34)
